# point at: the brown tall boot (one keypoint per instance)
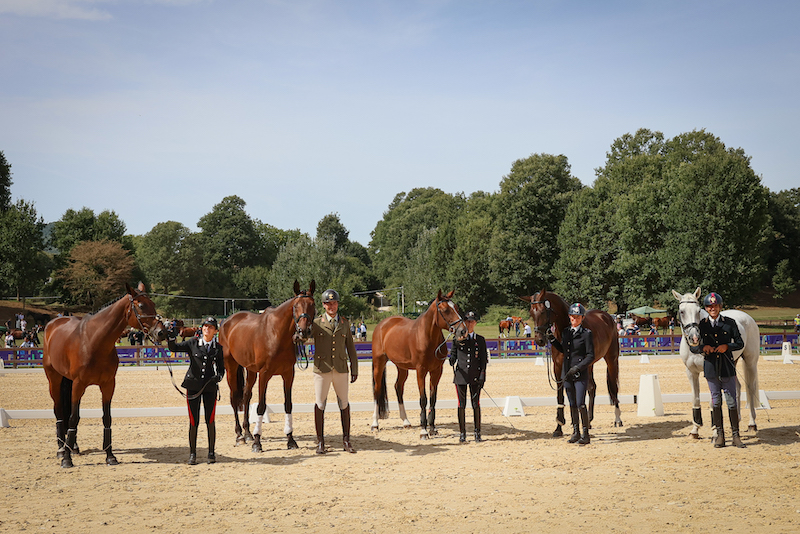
(319, 423)
(736, 440)
(346, 430)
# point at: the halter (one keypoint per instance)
(551, 378)
(684, 327)
(139, 317)
(300, 348)
(449, 327)
(543, 329)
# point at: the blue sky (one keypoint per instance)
(158, 109)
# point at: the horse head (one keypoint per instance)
(542, 313)
(448, 317)
(143, 314)
(689, 315)
(303, 311)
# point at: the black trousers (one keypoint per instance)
(209, 398)
(576, 392)
(474, 393)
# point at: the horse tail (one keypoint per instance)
(237, 394)
(381, 396)
(66, 399)
(612, 371)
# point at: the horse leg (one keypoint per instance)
(236, 385)
(751, 382)
(260, 411)
(60, 392)
(72, 424)
(246, 398)
(107, 392)
(379, 393)
(558, 361)
(592, 391)
(288, 427)
(423, 405)
(697, 410)
(399, 388)
(436, 375)
(612, 381)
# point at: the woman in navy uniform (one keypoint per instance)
(719, 337)
(206, 369)
(469, 359)
(577, 346)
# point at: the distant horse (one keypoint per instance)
(505, 327)
(265, 345)
(690, 313)
(661, 322)
(188, 331)
(549, 310)
(641, 321)
(413, 344)
(79, 352)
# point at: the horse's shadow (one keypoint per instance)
(779, 435)
(642, 432)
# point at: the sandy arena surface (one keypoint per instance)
(647, 476)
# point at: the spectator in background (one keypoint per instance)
(9, 340)
(527, 330)
(632, 329)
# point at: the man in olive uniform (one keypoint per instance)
(719, 337)
(469, 359)
(333, 347)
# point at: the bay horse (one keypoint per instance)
(690, 313)
(79, 352)
(265, 345)
(413, 344)
(548, 310)
(505, 327)
(662, 322)
(188, 331)
(638, 320)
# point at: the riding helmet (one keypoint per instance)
(577, 309)
(212, 321)
(470, 316)
(712, 298)
(330, 295)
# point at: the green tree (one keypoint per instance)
(331, 227)
(96, 271)
(171, 258)
(83, 225)
(782, 282)
(22, 262)
(532, 202)
(5, 183)
(784, 209)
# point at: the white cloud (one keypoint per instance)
(59, 9)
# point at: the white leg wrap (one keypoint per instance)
(288, 427)
(257, 429)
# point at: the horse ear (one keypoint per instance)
(129, 289)
(439, 296)
(450, 295)
(677, 295)
(526, 298)
(296, 287)
(312, 287)
(142, 288)
(697, 292)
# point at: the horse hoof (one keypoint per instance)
(433, 432)
(257, 447)
(240, 441)
(617, 424)
(112, 460)
(558, 432)
(752, 428)
(292, 444)
(694, 436)
(66, 462)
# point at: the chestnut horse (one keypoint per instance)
(505, 327)
(188, 331)
(79, 352)
(413, 344)
(548, 310)
(662, 322)
(265, 345)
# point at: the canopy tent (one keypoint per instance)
(645, 310)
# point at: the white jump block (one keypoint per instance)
(4, 419)
(2, 367)
(787, 352)
(650, 403)
(644, 359)
(539, 360)
(513, 407)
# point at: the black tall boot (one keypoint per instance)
(585, 421)
(736, 440)
(319, 423)
(212, 440)
(346, 430)
(716, 420)
(462, 425)
(192, 445)
(576, 428)
(477, 415)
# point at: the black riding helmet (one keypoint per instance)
(212, 321)
(330, 295)
(712, 298)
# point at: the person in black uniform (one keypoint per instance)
(206, 369)
(719, 337)
(577, 346)
(469, 359)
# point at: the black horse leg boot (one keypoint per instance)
(462, 425)
(192, 445)
(319, 423)
(716, 414)
(576, 427)
(212, 440)
(736, 440)
(477, 413)
(585, 421)
(346, 430)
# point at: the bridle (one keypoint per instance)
(549, 314)
(300, 348)
(450, 325)
(144, 328)
(685, 327)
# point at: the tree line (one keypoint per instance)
(661, 214)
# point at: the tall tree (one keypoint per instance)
(5, 183)
(96, 271)
(22, 264)
(331, 227)
(784, 210)
(529, 209)
(171, 258)
(83, 225)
